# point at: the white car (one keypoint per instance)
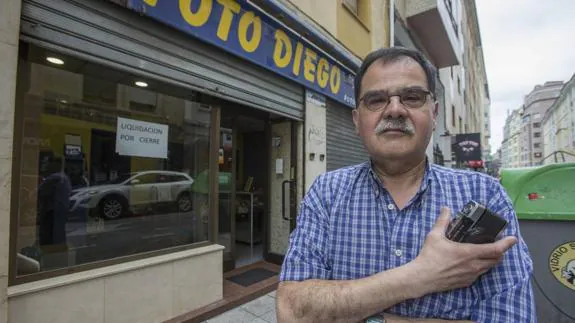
(129, 192)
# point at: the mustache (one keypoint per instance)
(401, 124)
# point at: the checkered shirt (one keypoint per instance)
(349, 228)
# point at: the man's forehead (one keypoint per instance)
(400, 72)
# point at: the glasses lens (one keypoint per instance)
(375, 101)
(413, 98)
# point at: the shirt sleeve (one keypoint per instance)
(504, 294)
(306, 257)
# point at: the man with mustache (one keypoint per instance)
(370, 239)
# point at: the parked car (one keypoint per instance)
(134, 191)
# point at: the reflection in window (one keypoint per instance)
(88, 193)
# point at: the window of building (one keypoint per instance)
(536, 145)
(458, 85)
(460, 125)
(537, 125)
(537, 134)
(453, 116)
(105, 168)
(536, 115)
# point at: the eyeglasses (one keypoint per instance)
(412, 98)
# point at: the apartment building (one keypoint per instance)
(535, 106)
(510, 150)
(558, 126)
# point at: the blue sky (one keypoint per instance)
(525, 43)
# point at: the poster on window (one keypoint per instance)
(467, 147)
(141, 139)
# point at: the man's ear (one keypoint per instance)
(355, 115)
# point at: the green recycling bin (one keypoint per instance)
(544, 200)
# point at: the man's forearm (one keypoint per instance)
(345, 301)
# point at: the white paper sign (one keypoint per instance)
(279, 166)
(142, 139)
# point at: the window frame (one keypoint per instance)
(15, 187)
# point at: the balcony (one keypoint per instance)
(436, 26)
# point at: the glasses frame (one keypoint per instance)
(398, 94)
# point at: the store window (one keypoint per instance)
(108, 164)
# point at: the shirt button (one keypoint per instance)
(390, 206)
(398, 252)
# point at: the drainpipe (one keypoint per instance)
(276, 7)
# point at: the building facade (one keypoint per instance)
(434, 28)
(535, 106)
(510, 147)
(462, 83)
(152, 147)
(559, 127)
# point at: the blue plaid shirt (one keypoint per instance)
(349, 227)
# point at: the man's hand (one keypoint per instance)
(447, 265)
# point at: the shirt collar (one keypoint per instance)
(427, 177)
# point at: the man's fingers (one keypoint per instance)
(496, 249)
(443, 220)
(505, 243)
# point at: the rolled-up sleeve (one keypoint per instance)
(306, 257)
(505, 294)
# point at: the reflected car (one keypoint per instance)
(135, 192)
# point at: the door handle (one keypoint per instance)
(284, 183)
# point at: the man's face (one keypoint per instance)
(395, 131)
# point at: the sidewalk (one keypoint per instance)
(260, 310)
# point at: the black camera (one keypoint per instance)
(475, 224)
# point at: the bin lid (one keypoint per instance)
(542, 192)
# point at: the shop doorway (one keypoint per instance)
(243, 189)
(255, 177)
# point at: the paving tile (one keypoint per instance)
(270, 317)
(237, 315)
(260, 306)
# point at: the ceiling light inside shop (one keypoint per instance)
(141, 84)
(55, 60)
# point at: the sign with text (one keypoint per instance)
(141, 139)
(467, 147)
(239, 28)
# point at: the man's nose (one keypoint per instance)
(395, 109)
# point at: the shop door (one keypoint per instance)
(283, 170)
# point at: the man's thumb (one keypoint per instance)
(443, 220)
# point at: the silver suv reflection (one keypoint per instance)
(135, 191)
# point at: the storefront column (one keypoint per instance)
(9, 31)
(315, 159)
